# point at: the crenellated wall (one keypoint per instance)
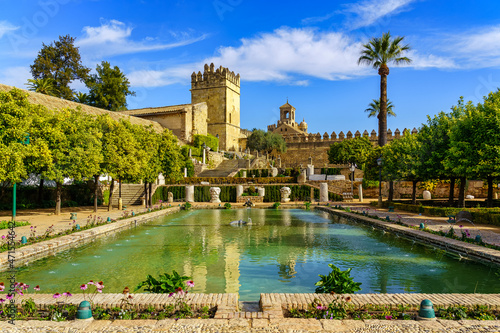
(301, 147)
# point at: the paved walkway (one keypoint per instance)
(255, 325)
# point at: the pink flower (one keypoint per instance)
(26, 286)
(388, 317)
(3, 236)
(67, 294)
(91, 282)
(19, 292)
(37, 288)
(99, 290)
(171, 294)
(1, 300)
(56, 295)
(9, 296)
(83, 287)
(190, 283)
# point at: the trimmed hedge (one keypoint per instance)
(161, 193)
(479, 215)
(235, 180)
(210, 140)
(299, 193)
(330, 171)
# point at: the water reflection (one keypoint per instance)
(283, 251)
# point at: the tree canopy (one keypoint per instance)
(266, 141)
(61, 62)
(352, 151)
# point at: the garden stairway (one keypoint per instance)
(131, 194)
(223, 170)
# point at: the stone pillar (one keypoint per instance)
(262, 191)
(323, 192)
(310, 160)
(204, 156)
(161, 179)
(360, 192)
(312, 194)
(244, 174)
(190, 152)
(214, 193)
(310, 170)
(285, 194)
(279, 162)
(185, 172)
(239, 190)
(189, 193)
(427, 195)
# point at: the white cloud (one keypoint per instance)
(6, 27)
(429, 61)
(369, 11)
(477, 49)
(15, 76)
(114, 38)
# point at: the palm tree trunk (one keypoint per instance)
(382, 115)
(452, 191)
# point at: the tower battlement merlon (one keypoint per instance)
(212, 77)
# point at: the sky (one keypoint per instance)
(303, 51)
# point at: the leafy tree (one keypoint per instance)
(374, 108)
(60, 61)
(109, 88)
(43, 86)
(76, 146)
(170, 156)
(379, 52)
(266, 141)
(400, 161)
(352, 151)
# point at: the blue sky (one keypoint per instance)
(305, 51)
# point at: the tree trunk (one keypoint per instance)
(111, 188)
(451, 196)
(58, 198)
(414, 192)
(40, 191)
(382, 115)
(96, 188)
(150, 195)
(461, 193)
(489, 202)
(391, 191)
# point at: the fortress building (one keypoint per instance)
(214, 109)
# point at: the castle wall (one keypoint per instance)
(174, 122)
(200, 116)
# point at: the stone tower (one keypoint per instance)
(220, 89)
(287, 114)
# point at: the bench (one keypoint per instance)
(347, 196)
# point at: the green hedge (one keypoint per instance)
(299, 193)
(210, 140)
(195, 151)
(161, 193)
(479, 215)
(236, 180)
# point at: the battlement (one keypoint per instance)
(296, 138)
(212, 77)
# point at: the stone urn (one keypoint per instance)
(214, 193)
(285, 194)
(170, 197)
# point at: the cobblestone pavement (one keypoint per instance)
(255, 325)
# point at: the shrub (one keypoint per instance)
(337, 281)
(165, 284)
(227, 205)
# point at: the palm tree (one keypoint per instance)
(374, 108)
(82, 98)
(379, 52)
(44, 86)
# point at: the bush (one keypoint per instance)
(227, 205)
(210, 140)
(236, 180)
(165, 284)
(339, 282)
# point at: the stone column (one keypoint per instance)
(312, 194)
(185, 172)
(244, 174)
(323, 192)
(285, 194)
(170, 197)
(189, 193)
(190, 152)
(204, 156)
(239, 190)
(360, 192)
(310, 160)
(279, 162)
(262, 191)
(214, 193)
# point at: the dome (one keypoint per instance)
(303, 123)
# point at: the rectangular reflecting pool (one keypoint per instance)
(283, 251)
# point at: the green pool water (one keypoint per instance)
(282, 251)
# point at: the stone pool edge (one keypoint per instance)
(30, 253)
(463, 249)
